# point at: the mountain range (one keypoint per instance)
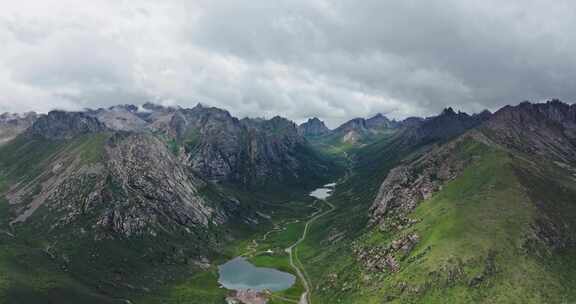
(140, 204)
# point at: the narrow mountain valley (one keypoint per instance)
(144, 204)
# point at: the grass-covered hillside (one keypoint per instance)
(74, 228)
(498, 229)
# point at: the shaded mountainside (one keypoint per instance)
(249, 152)
(448, 124)
(65, 125)
(360, 133)
(547, 130)
(222, 148)
(360, 130)
(121, 118)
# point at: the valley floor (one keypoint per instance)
(276, 247)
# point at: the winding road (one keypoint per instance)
(306, 296)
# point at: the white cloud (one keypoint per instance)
(335, 59)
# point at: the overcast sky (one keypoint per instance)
(335, 59)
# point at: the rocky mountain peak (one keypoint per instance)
(449, 111)
(554, 110)
(199, 106)
(149, 106)
(448, 124)
(11, 125)
(537, 128)
(379, 121)
(16, 117)
(205, 111)
(121, 117)
(483, 115)
(125, 107)
(356, 124)
(205, 121)
(282, 129)
(278, 121)
(313, 127)
(65, 125)
(411, 122)
(220, 147)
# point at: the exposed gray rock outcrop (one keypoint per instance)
(380, 121)
(121, 118)
(65, 125)
(545, 129)
(12, 125)
(313, 127)
(448, 124)
(138, 188)
(357, 130)
(249, 151)
(407, 185)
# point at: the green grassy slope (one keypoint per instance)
(27, 272)
(41, 264)
(333, 144)
(476, 239)
(28, 275)
(327, 254)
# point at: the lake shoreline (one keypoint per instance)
(249, 284)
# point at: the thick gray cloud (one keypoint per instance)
(335, 59)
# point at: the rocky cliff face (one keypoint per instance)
(80, 174)
(11, 125)
(408, 184)
(142, 169)
(313, 127)
(546, 129)
(210, 140)
(356, 124)
(540, 137)
(447, 125)
(380, 121)
(106, 197)
(121, 118)
(113, 206)
(65, 125)
(250, 151)
(213, 143)
(137, 187)
(358, 130)
(276, 150)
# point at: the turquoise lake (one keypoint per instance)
(239, 274)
